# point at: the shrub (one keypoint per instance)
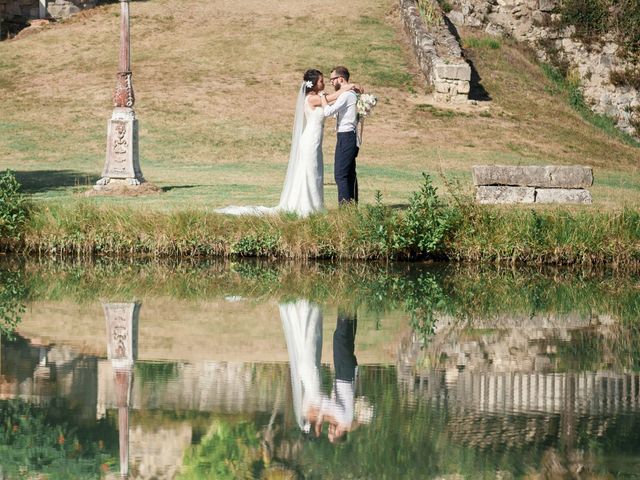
(424, 224)
(13, 206)
(430, 13)
(589, 17)
(376, 224)
(594, 18)
(628, 77)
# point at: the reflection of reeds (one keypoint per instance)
(463, 293)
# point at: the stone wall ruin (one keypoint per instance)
(535, 23)
(438, 52)
(17, 14)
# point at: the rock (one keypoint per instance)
(562, 195)
(533, 176)
(546, 5)
(460, 71)
(501, 194)
(463, 87)
(441, 87)
(541, 18)
(493, 29)
(456, 17)
(62, 11)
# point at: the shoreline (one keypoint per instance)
(464, 233)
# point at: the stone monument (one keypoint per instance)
(122, 351)
(122, 164)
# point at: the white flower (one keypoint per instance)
(365, 104)
(308, 84)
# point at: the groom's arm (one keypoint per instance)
(340, 104)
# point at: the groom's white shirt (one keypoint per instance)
(346, 110)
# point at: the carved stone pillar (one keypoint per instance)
(122, 351)
(122, 164)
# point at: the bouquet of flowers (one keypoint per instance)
(365, 104)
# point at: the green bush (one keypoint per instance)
(589, 17)
(424, 224)
(13, 206)
(593, 19)
(12, 294)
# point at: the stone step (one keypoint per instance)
(499, 194)
(571, 177)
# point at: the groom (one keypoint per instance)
(347, 145)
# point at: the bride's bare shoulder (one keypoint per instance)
(313, 99)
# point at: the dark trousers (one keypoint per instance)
(344, 359)
(344, 169)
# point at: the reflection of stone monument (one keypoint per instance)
(122, 164)
(122, 351)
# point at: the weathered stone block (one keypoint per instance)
(453, 72)
(463, 87)
(563, 195)
(62, 11)
(547, 5)
(569, 177)
(441, 87)
(500, 194)
(533, 176)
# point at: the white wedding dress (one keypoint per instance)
(303, 191)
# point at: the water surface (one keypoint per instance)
(248, 370)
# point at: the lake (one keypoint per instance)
(242, 370)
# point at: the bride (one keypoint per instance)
(303, 191)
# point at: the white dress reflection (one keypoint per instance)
(302, 325)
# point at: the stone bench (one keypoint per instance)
(532, 184)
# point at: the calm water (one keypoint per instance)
(247, 370)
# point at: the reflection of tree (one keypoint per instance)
(13, 291)
(237, 451)
(37, 442)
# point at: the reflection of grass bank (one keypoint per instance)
(426, 294)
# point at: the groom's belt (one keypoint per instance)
(348, 131)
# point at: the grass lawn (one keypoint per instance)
(216, 85)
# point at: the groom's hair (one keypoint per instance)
(342, 72)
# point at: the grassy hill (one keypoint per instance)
(216, 83)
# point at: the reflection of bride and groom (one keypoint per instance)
(302, 324)
(303, 190)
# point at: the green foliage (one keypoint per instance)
(629, 77)
(228, 452)
(482, 43)
(13, 291)
(376, 224)
(256, 245)
(430, 13)
(13, 206)
(419, 231)
(589, 17)
(424, 224)
(593, 19)
(445, 6)
(32, 445)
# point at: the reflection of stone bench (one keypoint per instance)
(551, 184)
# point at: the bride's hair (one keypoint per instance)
(312, 75)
